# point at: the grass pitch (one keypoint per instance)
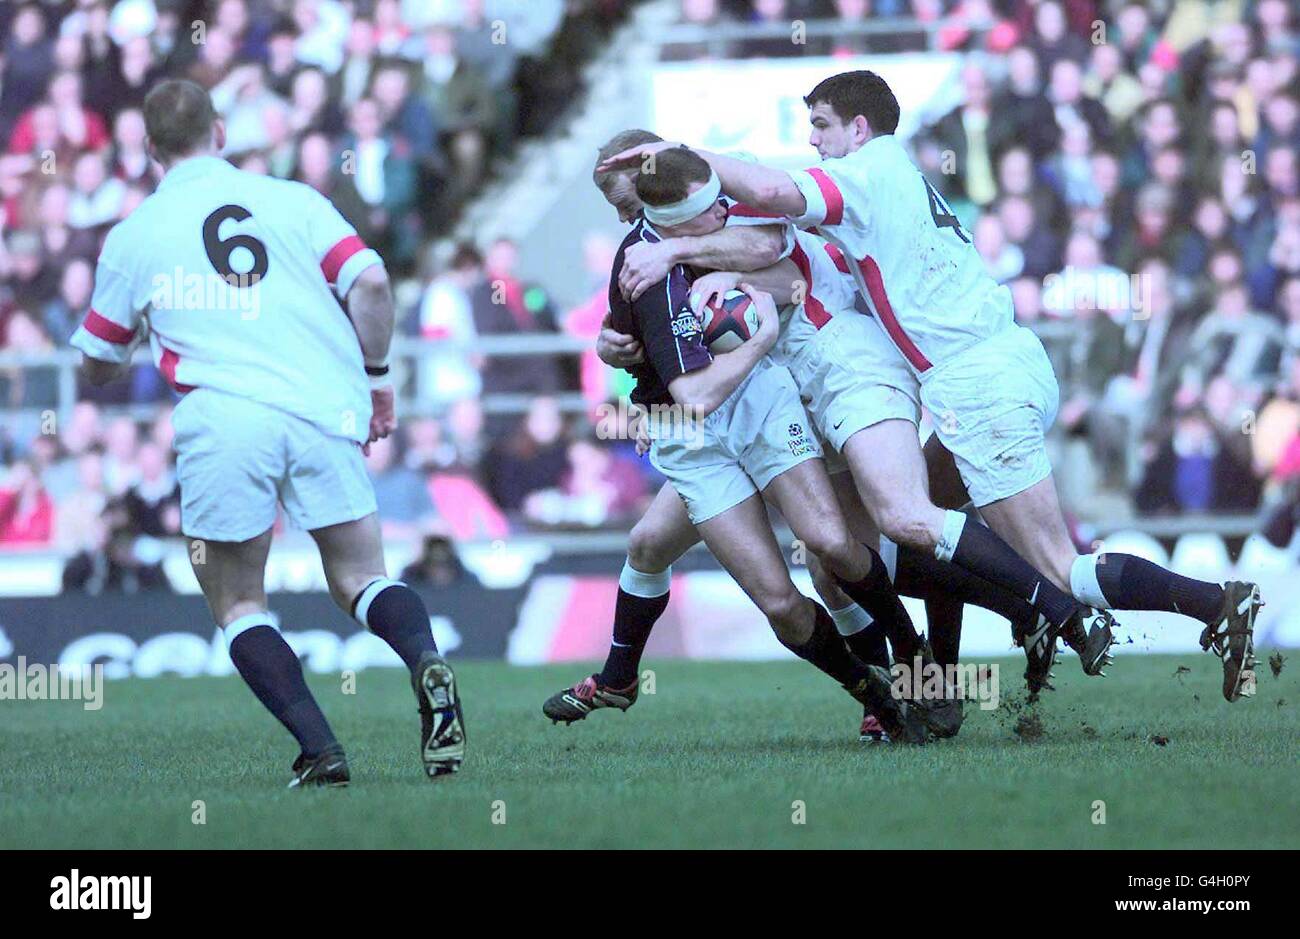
(722, 755)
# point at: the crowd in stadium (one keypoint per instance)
(1128, 166)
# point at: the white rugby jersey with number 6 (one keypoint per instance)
(238, 279)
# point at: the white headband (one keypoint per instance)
(677, 212)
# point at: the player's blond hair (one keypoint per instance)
(623, 140)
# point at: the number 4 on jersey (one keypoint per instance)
(942, 215)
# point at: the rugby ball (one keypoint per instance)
(729, 322)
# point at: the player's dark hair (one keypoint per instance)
(623, 140)
(862, 92)
(178, 116)
(674, 171)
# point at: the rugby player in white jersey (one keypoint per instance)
(727, 429)
(271, 356)
(665, 531)
(986, 380)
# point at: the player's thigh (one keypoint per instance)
(352, 554)
(232, 575)
(992, 407)
(773, 437)
(742, 540)
(852, 377)
(230, 458)
(805, 497)
(889, 470)
(325, 483)
(1032, 522)
(703, 471)
(663, 534)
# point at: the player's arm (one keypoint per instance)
(371, 309)
(370, 305)
(615, 349)
(763, 187)
(734, 248)
(782, 280)
(356, 274)
(99, 372)
(112, 328)
(703, 390)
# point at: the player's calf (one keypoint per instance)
(869, 685)
(396, 614)
(274, 673)
(1228, 611)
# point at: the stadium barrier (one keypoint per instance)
(534, 606)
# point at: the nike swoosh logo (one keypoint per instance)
(836, 425)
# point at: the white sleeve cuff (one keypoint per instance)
(815, 201)
(353, 267)
(787, 249)
(101, 349)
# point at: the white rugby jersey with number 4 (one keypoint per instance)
(274, 332)
(910, 257)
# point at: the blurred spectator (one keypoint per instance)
(384, 173)
(121, 442)
(152, 504)
(445, 314)
(597, 487)
(1021, 111)
(77, 516)
(405, 508)
(1234, 341)
(33, 387)
(1004, 260)
(26, 511)
(1049, 35)
(97, 197)
(131, 161)
(532, 458)
(464, 426)
(1191, 470)
(502, 303)
(973, 137)
(437, 565)
(26, 64)
(462, 101)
